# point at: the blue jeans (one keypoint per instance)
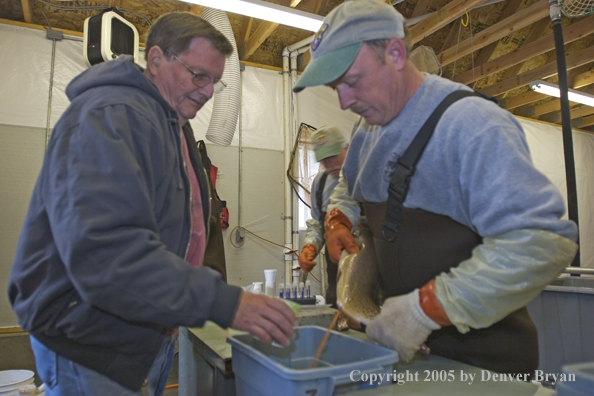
(63, 377)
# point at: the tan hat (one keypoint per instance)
(328, 141)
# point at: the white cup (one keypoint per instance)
(270, 288)
(270, 275)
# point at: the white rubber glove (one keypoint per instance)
(402, 325)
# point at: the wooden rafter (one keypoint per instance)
(27, 10)
(570, 33)
(576, 77)
(441, 18)
(262, 33)
(547, 70)
(536, 33)
(496, 32)
(485, 53)
(246, 27)
(421, 8)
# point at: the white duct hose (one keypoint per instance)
(226, 104)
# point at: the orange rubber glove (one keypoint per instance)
(308, 254)
(338, 235)
(431, 306)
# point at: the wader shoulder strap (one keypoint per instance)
(320, 194)
(405, 167)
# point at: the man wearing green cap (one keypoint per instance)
(330, 147)
(466, 230)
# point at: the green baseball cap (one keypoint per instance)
(328, 141)
(341, 36)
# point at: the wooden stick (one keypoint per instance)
(323, 342)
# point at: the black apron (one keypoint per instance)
(331, 268)
(413, 246)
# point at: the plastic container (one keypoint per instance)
(563, 317)
(584, 380)
(12, 380)
(263, 369)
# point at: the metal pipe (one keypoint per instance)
(567, 132)
(579, 271)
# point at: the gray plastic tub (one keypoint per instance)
(564, 316)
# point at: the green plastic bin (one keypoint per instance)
(346, 365)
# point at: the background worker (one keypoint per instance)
(330, 147)
(110, 257)
(469, 237)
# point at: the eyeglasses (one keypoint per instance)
(201, 80)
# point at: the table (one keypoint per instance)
(205, 369)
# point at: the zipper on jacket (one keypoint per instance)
(178, 136)
(185, 167)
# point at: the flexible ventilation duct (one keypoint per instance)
(226, 104)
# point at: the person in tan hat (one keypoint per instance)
(330, 146)
(466, 230)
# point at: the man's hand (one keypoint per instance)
(267, 318)
(338, 235)
(308, 254)
(402, 325)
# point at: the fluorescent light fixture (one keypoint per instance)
(553, 90)
(266, 11)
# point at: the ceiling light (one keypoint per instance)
(553, 90)
(266, 11)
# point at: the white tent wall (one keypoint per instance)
(24, 96)
(546, 147)
(25, 74)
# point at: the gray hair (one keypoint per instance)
(173, 32)
(379, 46)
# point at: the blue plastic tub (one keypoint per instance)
(584, 380)
(346, 365)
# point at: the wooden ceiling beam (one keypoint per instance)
(421, 8)
(588, 121)
(27, 10)
(538, 29)
(197, 9)
(452, 36)
(570, 33)
(485, 53)
(313, 6)
(554, 106)
(262, 33)
(583, 79)
(246, 28)
(575, 113)
(441, 18)
(519, 20)
(577, 77)
(521, 100)
(547, 70)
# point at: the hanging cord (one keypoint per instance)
(42, 13)
(456, 55)
(290, 251)
(471, 45)
(468, 24)
(467, 19)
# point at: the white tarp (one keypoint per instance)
(24, 83)
(25, 77)
(546, 146)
